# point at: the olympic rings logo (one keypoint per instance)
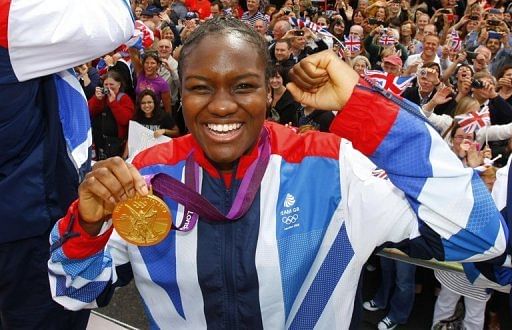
(288, 220)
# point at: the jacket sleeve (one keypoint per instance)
(42, 37)
(501, 111)
(82, 272)
(457, 218)
(494, 133)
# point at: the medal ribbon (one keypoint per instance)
(196, 205)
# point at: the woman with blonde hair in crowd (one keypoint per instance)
(360, 64)
(445, 123)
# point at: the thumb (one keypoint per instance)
(297, 93)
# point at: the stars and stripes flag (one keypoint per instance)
(390, 82)
(353, 43)
(473, 121)
(386, 40)
(455, 41)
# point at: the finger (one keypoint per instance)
(107, 178)
(297, 93)
(91, 185)
(123, 174)
(138, 181)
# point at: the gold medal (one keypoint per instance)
(142, 221)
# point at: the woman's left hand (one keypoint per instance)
(322, 81)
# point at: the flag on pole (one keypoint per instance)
(390, 82)
(473, 121)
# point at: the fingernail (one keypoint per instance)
(144, 190)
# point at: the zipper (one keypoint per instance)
(229, 267)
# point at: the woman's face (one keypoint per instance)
(472, 25)
(276, 81)
(112, 85)
(464, 72)
(360, 67)
(150, 67)
(380, 14)
(147, 105)
(138, 12)
(406, 30)
(358, 18)
(224, 97)
(507, 74)
(421, 21)
(339, 27)
(321, 21)
(458, 138)
(168, 35)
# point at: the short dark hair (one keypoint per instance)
(285, 41)
(281, 71)
(222, 26)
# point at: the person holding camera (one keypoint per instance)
(110, 110)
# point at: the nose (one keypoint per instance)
(223, 103)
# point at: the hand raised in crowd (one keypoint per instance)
(98, 93)
(443, 95)
(465, 85)
(488, 91)
(82, 70)
(322, 81)
(505, 82)
(474, 156)
(110, 181)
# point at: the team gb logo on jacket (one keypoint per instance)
(290, 213)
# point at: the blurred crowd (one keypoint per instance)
(455, 58)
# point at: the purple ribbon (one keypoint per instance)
(196, 205)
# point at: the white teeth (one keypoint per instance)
(224, 128)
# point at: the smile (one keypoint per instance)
(224, 128)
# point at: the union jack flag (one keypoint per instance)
(455, 41)
(386, 40)
(390, 82)
(380, 173)
(353, 43)
(145, 33)
(473, 121)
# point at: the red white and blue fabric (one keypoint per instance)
(353, 43)
(329, 224)
(455, 41)
(40, 41)
(380, 173)
(387, 40)
(390, 82)
(473, 121)
(144, 33)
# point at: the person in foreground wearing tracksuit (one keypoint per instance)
(300, 213)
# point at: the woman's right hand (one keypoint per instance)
(110, 182)
(98, 93)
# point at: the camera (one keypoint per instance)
(493, 22)
(105, 91)
(471, 55)
(298, 33)
(477, 84)
(474, 17)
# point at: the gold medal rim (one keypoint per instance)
(115, 219)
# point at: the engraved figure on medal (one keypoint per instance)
(142, 221)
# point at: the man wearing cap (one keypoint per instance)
(392, 64)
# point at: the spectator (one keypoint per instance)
(150, 115)
(148, 78)
(505, 83)
(253, 14)
(430, 45)
(392, 64)
(89, 78)
(373, 46)
(110, 110)
(428, 81)
(283, 53)
(360, 64)
(261, 27)
(168, 70)
(282, 101)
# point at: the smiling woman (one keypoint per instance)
(274, 226)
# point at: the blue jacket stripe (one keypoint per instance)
(328, 276)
